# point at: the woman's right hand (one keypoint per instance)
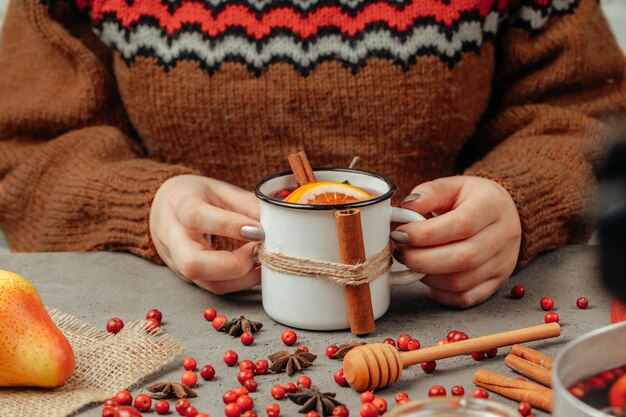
(186, 211)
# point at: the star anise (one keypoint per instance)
(171, 389)
(291, 363)
(236, 327)
(313, 399)
(345, 348)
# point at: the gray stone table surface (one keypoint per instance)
(97, 286)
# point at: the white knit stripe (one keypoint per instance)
(537, 18)
(284, 47)
(299, 4)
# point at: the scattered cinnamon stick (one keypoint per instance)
(529, 369)
(532, 355)
(301, 168)
(536, 395)
(352, 252)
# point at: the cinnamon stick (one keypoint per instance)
(301, 168)
(529, 369)
(352, 252)
(532, 355)
(536, 395)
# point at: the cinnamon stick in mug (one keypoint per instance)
(301, 168)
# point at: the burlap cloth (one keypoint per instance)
(105, 364)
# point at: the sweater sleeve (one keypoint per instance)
(71, 177)
(543, 139)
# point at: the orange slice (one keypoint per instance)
(325, 193)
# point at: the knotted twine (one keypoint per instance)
(105, 364)
(335, 272)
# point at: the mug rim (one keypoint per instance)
(326, 207)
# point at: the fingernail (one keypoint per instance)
(398, 255)
(254, 233)
(411, 197)
(400, 237)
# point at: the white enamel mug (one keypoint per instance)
(310, 231)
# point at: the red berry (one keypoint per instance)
(273, 410)
(340, 378)
(218, 321)
(289, 337)
(282, 194)
(247, 339)
(278, 392)
(403, 341)
(458, 336)
(429, 367)
(401, 396)
(369, 410)
(162, 407)
(524, 409)
(210, 314)
(450, 335)
(457, 391)
(110, 402)
(109, 411)
(143, 402)
(190, 364)
(202, 415)
(437, 391)
(518, 292)
(331, 350)
(189, 378)
(124, 398)
(181, 406)
(341, 411)
(312, 414)
(191, 411)
(261, 367)
(230, 358)
(366, 397)
(582, 303)
(480, 393)
(381, 404)
(551, 317)
(241, 391)
(232, 410)
(304, 381)
(413, 344)
(246, 364)
(207, 372)
(478, 356)
(115, 325)
(303, 349)
(229, 397)
(442, 342)
(245, 402)
(154, 314)
(245, 375)
(390, 341)
(248, 413)
(291, 388)
(152, 324)
(126, 411)
(403, 401)
(251, 385)
(491, 353)
(546, 303)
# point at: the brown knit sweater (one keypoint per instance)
(102, 100)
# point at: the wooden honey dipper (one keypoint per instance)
(378, 365)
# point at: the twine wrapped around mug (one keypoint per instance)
(335, 272)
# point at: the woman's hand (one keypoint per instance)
(470, 248)
(186, 211)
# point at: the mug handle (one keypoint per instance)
(405, 277)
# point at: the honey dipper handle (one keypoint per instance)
(465, 347)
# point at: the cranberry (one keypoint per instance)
(331, 350)
(366, 397)
(251, 385)
(189, 378)
(207, 372)
(282, 194)
(312, 414)
(278, 392)
(246, 364)
(480, 393)
(546, 303)
(210, 314)
(248, 413)
(229, 397)
(413, 344)
(607, 376)
(115, 325)
(124, 398)
(491, 353)
(389, 341)
(478, 356)
(110, 402)
(582, 303)
(403, 341)
(261, 367)
(245, 375)
(152, 324)
(273, 410)
(289, 337)
(457, 391)
(451, 334)
(245, 402)
(369, 410)
(109, 411)
(551, 317)
(340, 378)
(401, 396)
(232, 410)
(442, 342)
(437, 391)
(247, 339)
(241, 391)
(191, 411)
(162, 407)
(304, 381)
(230, 358)
(291, 388)
(429, 367)
(458, 336)
(403, 401)
(182, 405)
(203, 415)
(143, 402)
(303, 349)
(126, 411)
(154, 314)
(218, 321)
(381, 404)
(341, 411)
(518, 292)
(577, 392)
(524, 408)
(190, 364)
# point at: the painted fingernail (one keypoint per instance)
(254, 233)
(400, 237)
(411, 197)
(398, 255)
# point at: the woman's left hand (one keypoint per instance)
(470, 248)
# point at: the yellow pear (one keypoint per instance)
(33, 351)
